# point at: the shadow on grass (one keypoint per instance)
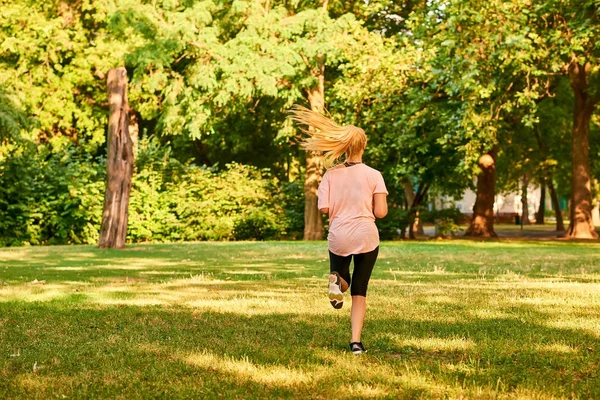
(511, 353)
(89, 351)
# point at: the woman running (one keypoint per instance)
(353, 195)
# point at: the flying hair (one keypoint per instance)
(327, 136)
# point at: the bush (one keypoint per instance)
(50, 197)
(394, 223)
(257, 224)
(202, 204)
(446, 220)
(172, 201)
(55, 196)
(292, 201)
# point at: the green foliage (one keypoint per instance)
(50, 197)
(257, 224)
(171, 201)
(221, 75)
(433, 83)
(55, 196)
(53, 58)
(292, 202)
(394, 225)
(446, 220)
(12, 119)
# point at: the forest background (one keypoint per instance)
(456, 94)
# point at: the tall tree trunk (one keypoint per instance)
(415, 225)
(525, 202)
(541, 213)
(313, 225)
(560, 225)
(482, 224)
(119, 164)
(581, 223)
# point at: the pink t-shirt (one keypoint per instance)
(348, 193)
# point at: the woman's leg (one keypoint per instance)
(363, 267)
(341, 265)
(357, 316)
(338, 279)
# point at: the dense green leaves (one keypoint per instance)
(50, 197)
(53, 58)
(434, 83)
(56, 197)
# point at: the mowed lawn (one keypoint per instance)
(446, 319)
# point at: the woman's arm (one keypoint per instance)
(380, 208)
(323, 195)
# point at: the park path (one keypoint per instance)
(513, 232)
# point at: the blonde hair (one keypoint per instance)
(328, 137)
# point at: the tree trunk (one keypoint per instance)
(415, 225)
(524, 202)
(581, 225)
(313, 225)
(560, 225)
(482, 224)
(541, 213)
(119, 164)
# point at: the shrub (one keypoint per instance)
(257, 224)
(292, 201)
(172, 201)
(50, 196)
(446, 220)
(394, 223)
(55, 196)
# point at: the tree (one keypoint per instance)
(119, 164)
(392, 92)
(488, 60)
(553, 157)
(586, 98)
(464, 87)
(206, 69)
(567, 33)
(53, 58)
(482, 223)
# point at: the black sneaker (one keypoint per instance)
(336, 297)
(357, 348)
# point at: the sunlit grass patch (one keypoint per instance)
(435, 343)
(246, 370)
(556, 348)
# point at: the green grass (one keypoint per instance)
(446, 319)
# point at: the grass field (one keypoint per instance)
(446, 319)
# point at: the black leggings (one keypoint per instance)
(363, 267)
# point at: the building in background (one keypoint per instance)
(507, 206)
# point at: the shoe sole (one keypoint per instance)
(357, 350)
(336, 297)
